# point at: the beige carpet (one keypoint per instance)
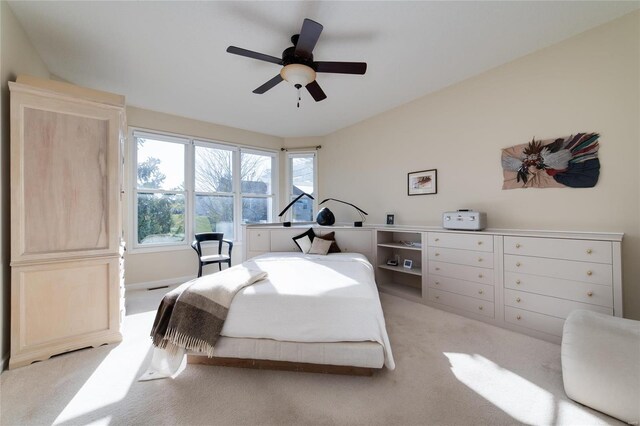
(450, 371)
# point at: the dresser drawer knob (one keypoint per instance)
(518, 299)
(480, 275)
(479, 259)
(518, 282)
(437, 254)
(437, 297)
(589, 251)
(518, 264)
(518, 317)
(437, 282)
(589, 273)
(480, 291)
(589, 293)
(437, 269)
(517, 245)
(479, 243)
(437, 239)
(480, 307)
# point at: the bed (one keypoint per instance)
(318, 313)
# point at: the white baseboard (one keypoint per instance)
(160, 283)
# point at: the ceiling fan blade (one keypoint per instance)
(309, 35)
(316, 91)
(268, 85)
(255, 55)
(342, 67)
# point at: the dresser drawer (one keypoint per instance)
(466, 288)
(595, 294)
(477, 242)
(481, 259)
(547, 305)
(595, 273)
(463, 272)
(465, 303)
(534, 321)
(555, 248)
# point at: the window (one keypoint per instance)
(160, 190)
(256, 175)
(214, 194)
(187, 186)
(302, 178)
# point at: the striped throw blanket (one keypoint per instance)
(191, 316)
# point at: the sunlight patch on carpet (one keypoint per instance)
(518, 397)
(110, 382)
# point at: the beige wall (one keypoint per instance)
(17, 56)
(589, 83)
(169, 266)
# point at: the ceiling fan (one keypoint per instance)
(298, 66)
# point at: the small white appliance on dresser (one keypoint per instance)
(465, 220)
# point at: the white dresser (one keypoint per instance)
(527, 281)
(546, 278)
(461, 272)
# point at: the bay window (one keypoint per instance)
(185, 186)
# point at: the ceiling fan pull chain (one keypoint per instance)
(299, 98)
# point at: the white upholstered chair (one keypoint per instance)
(601, 363)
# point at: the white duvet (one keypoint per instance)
(305, 298)
(310, 298)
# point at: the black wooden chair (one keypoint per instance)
(211, 238)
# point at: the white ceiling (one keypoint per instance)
(170, 56)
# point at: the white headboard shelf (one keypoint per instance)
(267, 238)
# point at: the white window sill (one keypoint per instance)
(166, 248)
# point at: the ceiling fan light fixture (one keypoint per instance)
(298, 74)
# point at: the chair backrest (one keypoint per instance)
(212, 237)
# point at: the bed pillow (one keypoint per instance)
(304, 240)
(320, 246)
(334, 246)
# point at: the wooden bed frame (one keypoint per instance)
(265, 364)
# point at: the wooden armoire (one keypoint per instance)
(66, 231)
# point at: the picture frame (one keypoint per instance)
(408, 263)
(391, 218)
(423, 182)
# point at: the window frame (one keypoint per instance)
(274, 182)
(289, 179)
(189, 192)
(234, 182)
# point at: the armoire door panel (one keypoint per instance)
(64, 178)
(66, 300)
(65, 182)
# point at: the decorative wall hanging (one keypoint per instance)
(423, 182)
(553, 163)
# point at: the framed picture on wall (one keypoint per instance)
(423, 182)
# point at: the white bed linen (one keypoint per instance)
(311, 298)
(306, 298)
